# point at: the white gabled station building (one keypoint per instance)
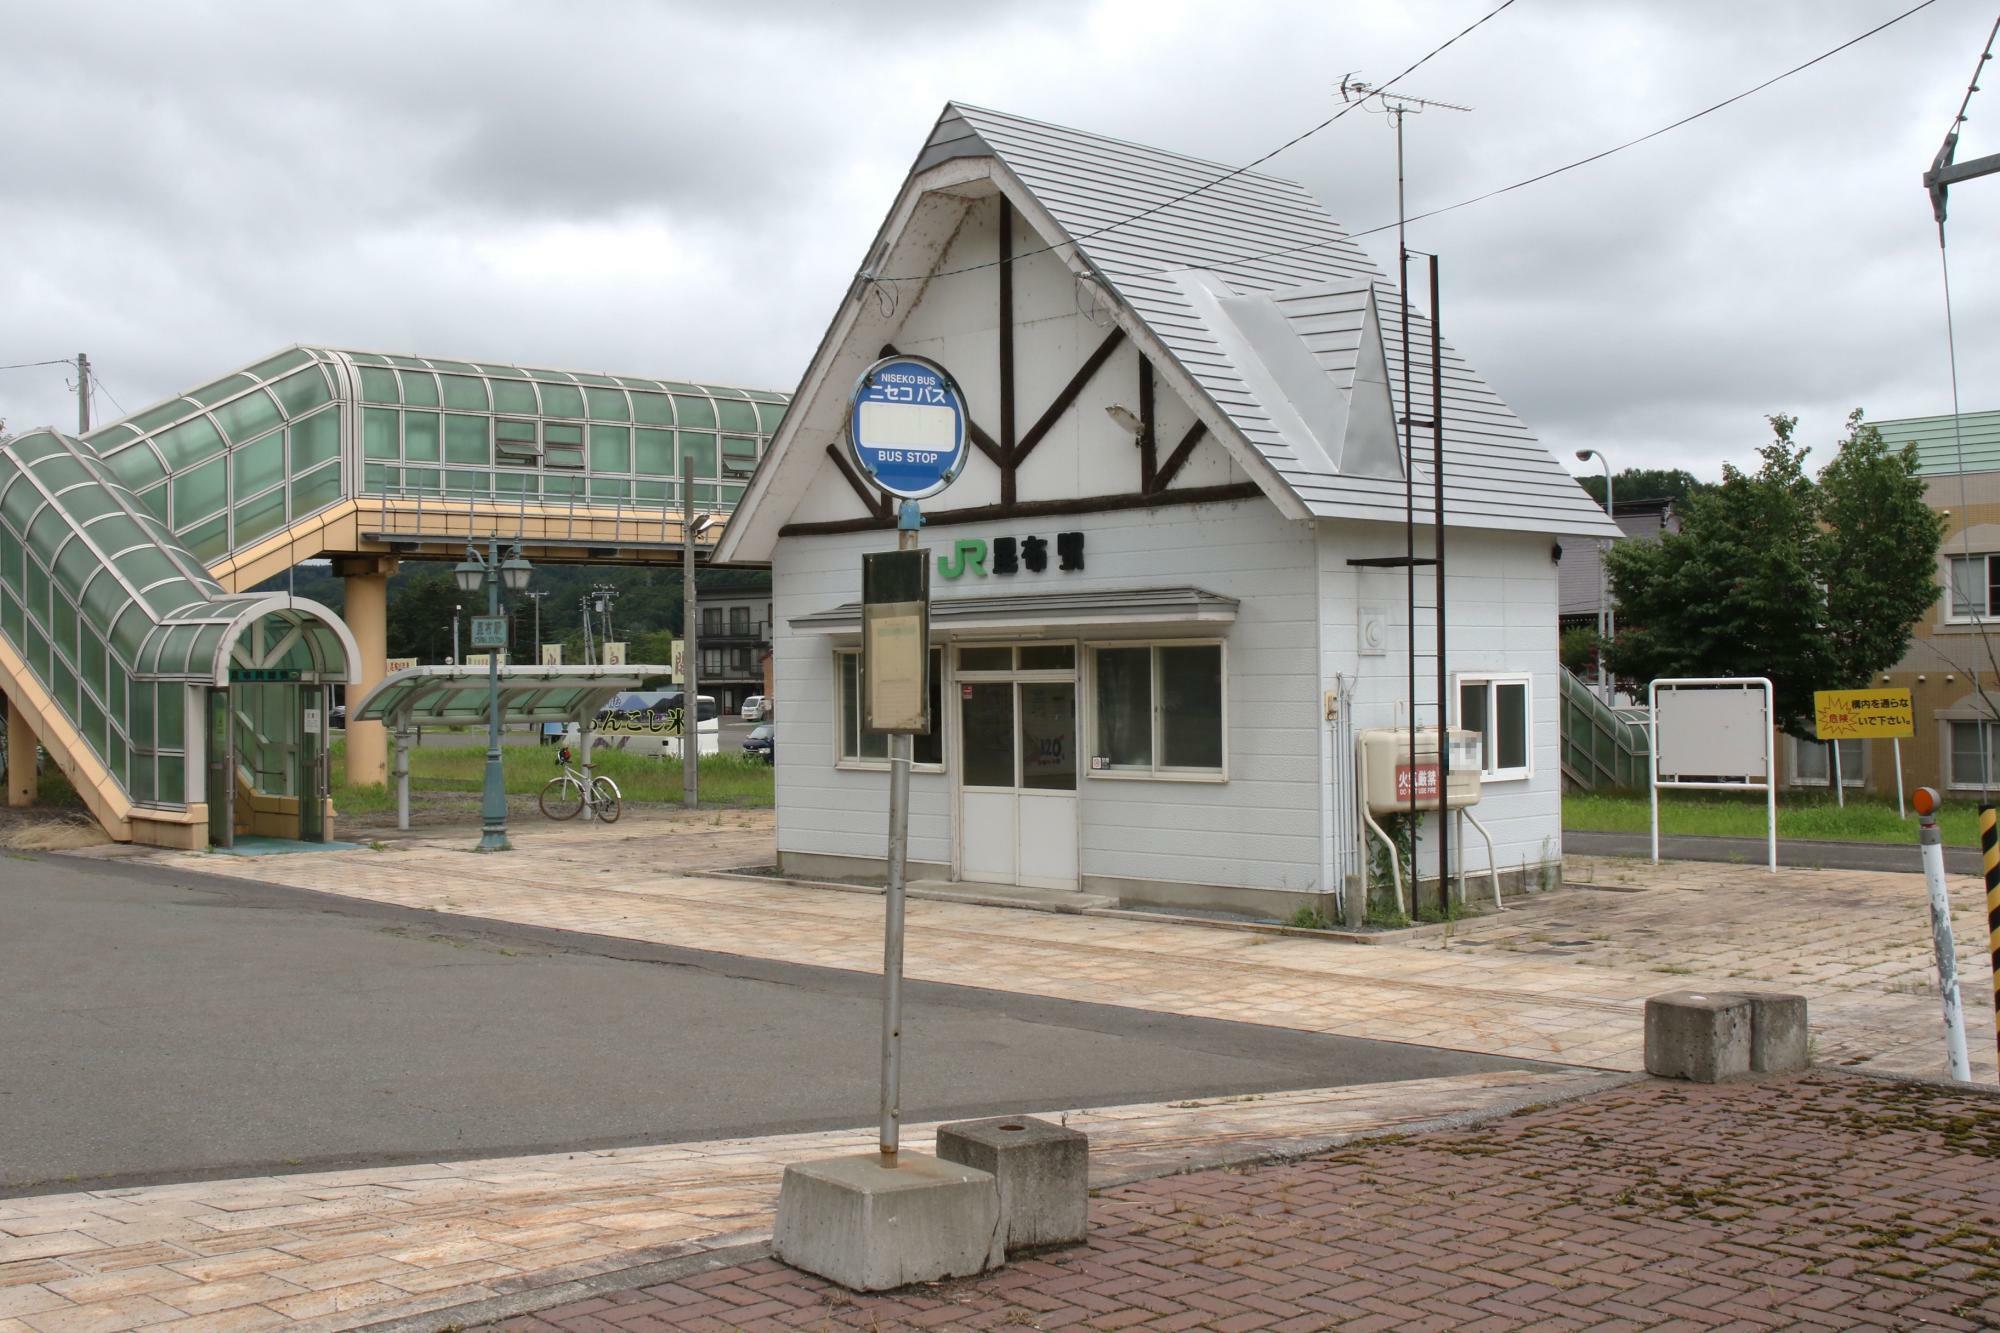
(1142, 593)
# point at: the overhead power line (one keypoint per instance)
(24, 365)
(1584, 161)
(1206, 186)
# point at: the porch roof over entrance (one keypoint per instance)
(1103, 607)
(458, 696)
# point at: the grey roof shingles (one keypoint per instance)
(1496, 474)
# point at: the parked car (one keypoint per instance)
(753, 708)
(760, 744)
(336, 717)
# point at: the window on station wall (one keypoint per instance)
(1975, 754)
(1497, 709)
(1157, 709)
(1812, 762)
(858, 745)
(1975, 587)
(711, 620)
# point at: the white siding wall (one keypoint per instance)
(1500, 618)
(1259, 829)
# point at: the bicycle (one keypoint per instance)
(564, 796)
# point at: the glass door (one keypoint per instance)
(1017, 779)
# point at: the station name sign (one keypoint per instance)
(1010, 555)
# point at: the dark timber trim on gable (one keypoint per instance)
(1094, 504)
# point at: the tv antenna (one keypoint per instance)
(1397, 106)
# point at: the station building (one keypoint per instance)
(1152, 644)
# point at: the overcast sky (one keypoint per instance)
(684, 189)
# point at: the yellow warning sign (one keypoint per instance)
(1848, 715)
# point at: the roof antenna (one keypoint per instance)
(1397, 106)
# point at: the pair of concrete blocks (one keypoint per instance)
(1712, 1037)
(996, 1187)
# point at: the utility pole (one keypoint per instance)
(605, 594)
(82, 393)
(589, 657)
(537, 656)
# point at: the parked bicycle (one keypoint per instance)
(565, 796)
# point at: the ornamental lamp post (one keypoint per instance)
(1607, 623)
(494, 572)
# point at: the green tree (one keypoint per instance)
(1643, 483)
(1813, 583)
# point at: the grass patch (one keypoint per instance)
(1805, 816)
(726, 779)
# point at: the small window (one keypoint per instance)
(1812, 762)
(739, 620)
(1975, 754)
(1975, 587)
(515, 442)
(711, 620)
(1158, 709)
(860, 746)
(562, 446)
(1496, 707)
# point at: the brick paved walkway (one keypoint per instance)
(1561, 979)
(1829, 1201)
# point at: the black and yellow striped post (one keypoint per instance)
(1989, 852)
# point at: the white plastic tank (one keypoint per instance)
(1390, 762)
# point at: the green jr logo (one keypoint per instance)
(968, 554)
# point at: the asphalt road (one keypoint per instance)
(1803, 853)
(162, 1025)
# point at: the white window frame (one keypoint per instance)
(1951, 614)
(1087, 682)
(1850, 778)
(840, 706)
(1490, 679)
(1950, 763)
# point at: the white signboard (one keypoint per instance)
(396, 664)
(614, 654)
(552, 654)
(1714, 734)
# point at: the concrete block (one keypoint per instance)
(1698, 1036)
(1778, 1038)
(1043, 1170)
(870, 1227)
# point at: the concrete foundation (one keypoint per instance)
(1043, 1172)
(21, 776)
(1710, 1037)
(366, 612)
(1704, 1038)
(869, 1227)
(1779, 1041)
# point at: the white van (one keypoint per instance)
(649, 722)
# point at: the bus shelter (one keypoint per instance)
(462, 696)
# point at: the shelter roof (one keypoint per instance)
(1233, 291)
(459, 696)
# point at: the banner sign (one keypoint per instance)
(1853, 715)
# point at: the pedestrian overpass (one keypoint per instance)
(129, 646)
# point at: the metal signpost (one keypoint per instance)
(907, 428)
(1714, 733)
(1864, 715)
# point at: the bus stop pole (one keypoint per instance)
(902, 748)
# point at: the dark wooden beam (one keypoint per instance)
(1006, 441)
(1048, 419)
(1179, 457)
(1148, 453)
(1095, 504)
(877, 505)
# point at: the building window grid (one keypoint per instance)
(1812, 763)
(1143, 739)
(1972, 748)
(856, 747)
(1500, 708)
(1973, 588)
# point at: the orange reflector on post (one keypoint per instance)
(1925, 800)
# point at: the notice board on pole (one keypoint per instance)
(895, 642)
(1714, 733)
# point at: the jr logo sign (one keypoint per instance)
(1010, 555)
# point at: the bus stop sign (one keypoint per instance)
(907, 426)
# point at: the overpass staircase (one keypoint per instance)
(1603, 748)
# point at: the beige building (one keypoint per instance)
(1952, 668)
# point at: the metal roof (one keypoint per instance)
(1105, 607)
(456, 696)
(1938, 442)
(1496, 474)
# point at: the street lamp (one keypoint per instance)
(1607, 623)
(693, 527)
(494, 573)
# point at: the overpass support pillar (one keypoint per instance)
(367, 615)
(20, 756)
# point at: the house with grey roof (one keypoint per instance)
(1158, 614)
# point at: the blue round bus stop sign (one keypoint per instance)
(908, 426)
